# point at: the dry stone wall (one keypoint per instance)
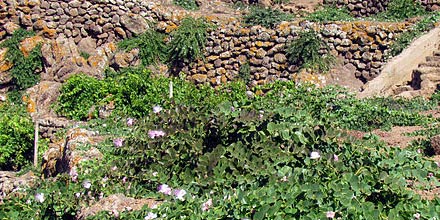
(105, 21)
(371, 7)
(362, 44)
(100, 23)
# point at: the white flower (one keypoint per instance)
(150, 216)
(39, 197)
(179, 194)
(314, 155)
(165, 189)
(330, 214)
(157, 109)
(73, 174)
(154, 173)
(206, 205)
(417, 216)
(87, 184)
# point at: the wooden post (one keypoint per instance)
(36, 127)
(36, 143)
(171, 89)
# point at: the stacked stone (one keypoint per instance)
(363, 44)
(17, 12)
(361, 8)
(104, 20)
(232, 46)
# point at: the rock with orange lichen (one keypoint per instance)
(64, 155)
(62, 59)
(5, 65)
(40, 97)
(199, 78)
(28, 44)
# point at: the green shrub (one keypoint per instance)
(266, 17)
(187, 4)
(253, 158)
(152, 48)
(80, 97)
(305, 52)
(402, 9)
(330, 14)
(24, 68)
(16, 136)
(188, 41)
(135, 92)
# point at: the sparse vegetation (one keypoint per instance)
(187, 4)
(424, 25)
(402, 9)
(266, 17)
(329, 13)
(306, 52)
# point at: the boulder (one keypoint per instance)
(13, 185)
(63, 156)
(40, 97)
(117, 203)
(124, 59)
(134, 23)
(62, 59)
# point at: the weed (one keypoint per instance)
(188, 41)
(266, 17)
(305, 52)
(187, 4)
(329, 13)
(152, 48)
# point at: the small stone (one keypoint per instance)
(107, 27)
(115, 19)
(51, 12)
(242, 59)
(75, 4)
(280, 58)
(199, 78)
(366, 56)
(10, 27)
(225, 55)
(260, 53)
(218, 63)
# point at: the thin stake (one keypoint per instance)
(171, 89)
(36, 144)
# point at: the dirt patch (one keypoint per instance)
(398, 136)
(344, 76)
